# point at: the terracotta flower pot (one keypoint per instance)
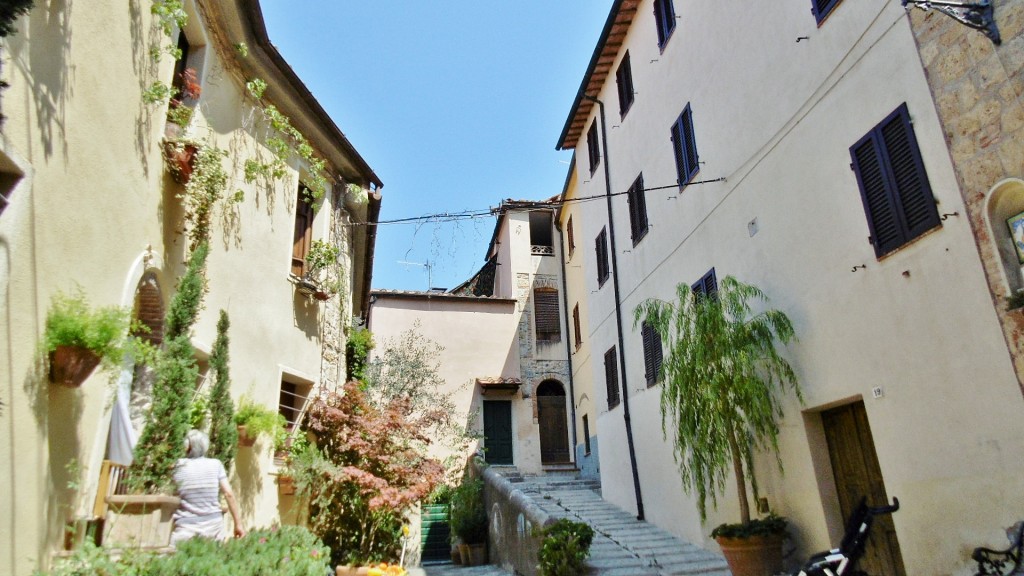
(753, 556)
(180, 161)
(286, 485)
(244, 438)
(71, 365)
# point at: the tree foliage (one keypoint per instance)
(368, 468)
(223, 431)
(357, 349)
(721, 374)
(162, 441)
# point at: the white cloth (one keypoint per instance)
(122, 438)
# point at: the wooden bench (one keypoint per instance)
(1002, 562)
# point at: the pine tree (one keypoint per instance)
(223, 432)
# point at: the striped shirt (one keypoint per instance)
(198, 481)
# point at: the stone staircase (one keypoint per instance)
(622, 544)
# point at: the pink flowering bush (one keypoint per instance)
(369, 467)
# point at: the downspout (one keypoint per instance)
(618, 315)
(568, 350)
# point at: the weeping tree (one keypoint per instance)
(223, 431)
(722, 372)
(162, 441)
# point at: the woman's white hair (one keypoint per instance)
(196, 443)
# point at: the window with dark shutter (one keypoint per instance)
(707, 285)
(593, 148)
(303, 231)
(652, 353)
(611, 377)
(586, 435)
(637, 210)
(894, 187)
(576, 325)
(684, 145)
(822, 8)
(570, 236)
(601, 247)
(665, 19)
(545, 309)
(624, 81)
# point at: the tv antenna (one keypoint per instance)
(427, 264)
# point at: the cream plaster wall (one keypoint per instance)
(776, 118)
(94, 198)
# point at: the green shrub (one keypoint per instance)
(468, 513)
(259, 420)
(565, 548)
(223, 431)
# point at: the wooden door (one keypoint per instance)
(857, 474)
(554, 433)
(498, 432)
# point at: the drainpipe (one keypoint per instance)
(618, 314)
(568, 350)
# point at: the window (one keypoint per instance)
(541, 238)
(624, 80)
(894, 188)
(611, 377)
(292, 400)
(303, 231)
(181, 64)
(571, 237)
(593, 148)
(586, 435)
(8, 180)
(545, 310)
(602, 257)
(652, 353)
(637, 209)
(822, 8)
(685, 147)
(665, 18)
(576, 326)
(707, 285)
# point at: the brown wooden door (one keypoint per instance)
(554, 433)
(857, 474)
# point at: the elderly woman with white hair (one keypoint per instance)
(200, 480)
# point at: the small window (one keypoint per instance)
(707, 285)
(637, 210)
(822, 8)
(685, 147)
(894, 187)
(652, 353)
(546, 315)
(570, 236)
(292, 401)
(8, 180)
(303, 231)
(665, 18)
(541, 238)
(593, 148)
(576, 326)
(611, 377)
(586, 435)
(624, 80)
(601, 247)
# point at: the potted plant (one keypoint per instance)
(78, 337)
(468, 519)
(321, 255)
(723, 408)
(254, 420)
(180, 155)
(565, 548)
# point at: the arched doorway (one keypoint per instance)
(554, 433)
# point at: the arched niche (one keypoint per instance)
(1006, 200)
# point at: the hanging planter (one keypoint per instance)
(321, 295)
(244, 438)
(180, 158)
(71, 365)
(306, 286)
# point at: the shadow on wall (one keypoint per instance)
(44, 63)
(307, 314)
(65, 413)
(250, 485)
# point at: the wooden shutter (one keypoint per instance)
(611, 377)
(821, 8)
(576, 325)
(593, 149)
(652, 353)
(897, 197)
(707, 285)
(637, 209)
(624, 82)
(665, 18)
(546, 320)
(571, 236)
(684, 144)
(303, 232)
(601, 249)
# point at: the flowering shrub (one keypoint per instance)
(368, 469)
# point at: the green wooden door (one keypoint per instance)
(435, 543)
(498, 432)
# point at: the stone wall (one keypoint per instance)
(514, 520)
(978, 87)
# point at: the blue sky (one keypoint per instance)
(455, 105)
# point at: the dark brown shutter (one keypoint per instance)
(303, 232)
(546, 320)
(611, 377)
(707, 285)
(576, 325)
(652, 353)
(601, 249)
(571, 236)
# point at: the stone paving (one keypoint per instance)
(623, 545)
